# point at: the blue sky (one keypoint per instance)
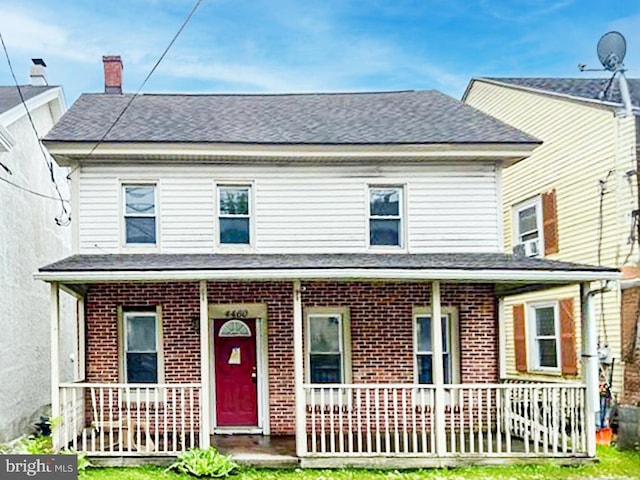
(308, 45)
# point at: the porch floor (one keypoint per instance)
(280, 452)
(259, 451)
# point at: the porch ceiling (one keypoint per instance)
(510, 274)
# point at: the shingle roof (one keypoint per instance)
(9, 96)
(588, 88)
(408, 117)
(182, 262)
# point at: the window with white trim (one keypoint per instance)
(424, 346)
(385, 216)
(328, 346)
(141, 353)
(234, 214)
(528, 227)
(544, 336)
(139, 213)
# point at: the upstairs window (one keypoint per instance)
(139, 214)
(234, 215)
(141, 347)
(528, 227)
(385, 216)
(535, 226)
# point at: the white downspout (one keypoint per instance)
(591, 363)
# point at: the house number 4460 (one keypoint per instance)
(236, 313)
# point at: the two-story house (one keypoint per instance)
(271, 264)
(29, 237)
(573, 199)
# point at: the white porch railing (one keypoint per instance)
(481, 420)
(128, 419)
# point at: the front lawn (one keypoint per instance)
(613, 465)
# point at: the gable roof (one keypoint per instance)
(10, 97)
(580, 88)
(406, 117)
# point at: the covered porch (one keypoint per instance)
(378, 415)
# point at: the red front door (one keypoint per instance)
(236, 372)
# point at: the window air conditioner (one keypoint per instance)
(528, 248)
(531, 248)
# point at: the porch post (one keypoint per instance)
(54, 305)
(437, 365)
(205, 421)
(81, 366)
(590, 366)
(298, 372)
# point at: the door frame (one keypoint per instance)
(257, 311)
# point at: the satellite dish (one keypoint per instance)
(612, 47)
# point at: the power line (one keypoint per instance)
(33, 192)
(166, 50)
(64, 218)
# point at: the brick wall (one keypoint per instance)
(180, 305)
(381, 329)
(382, 326)
(630, 347)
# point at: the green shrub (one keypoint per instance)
(37, 445)
(204, 462)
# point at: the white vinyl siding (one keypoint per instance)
(450, 206)
(188, 214)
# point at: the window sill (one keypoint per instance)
(140, 249)
(230, 248)
(545, 373)
(386, 249)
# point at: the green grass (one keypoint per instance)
(613, 464)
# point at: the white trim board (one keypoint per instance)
(552, 277)
(66, 152)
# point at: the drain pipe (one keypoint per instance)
(591, 361)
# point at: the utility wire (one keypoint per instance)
(33, 192)
(64, 218)
(603, 191)
(166, 50)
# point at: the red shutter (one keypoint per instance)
(568, 338)
(550, 222)
(520, 338)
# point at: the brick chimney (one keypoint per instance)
(112, 73)
(37, 76)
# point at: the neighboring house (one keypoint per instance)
(270, 265)
(574, 199)
(29, 237)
